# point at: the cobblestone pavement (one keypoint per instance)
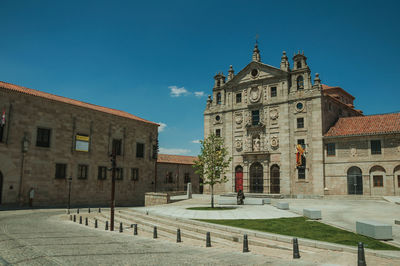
(40, 237)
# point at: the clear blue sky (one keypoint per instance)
(130, 55)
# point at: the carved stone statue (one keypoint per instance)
(256, 144)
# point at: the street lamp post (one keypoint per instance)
(113, 166)
(69, 192)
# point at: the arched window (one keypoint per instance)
(298, 65)
(300, 83)
(275, 179)
(377, 174)
(396, 174)
(218, 98)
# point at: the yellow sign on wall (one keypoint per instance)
(82, 143)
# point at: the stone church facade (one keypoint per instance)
(266, 115)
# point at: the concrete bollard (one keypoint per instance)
(208, 240)
(245, 243)
(99, 210)
(95, 223)
(296, 253)
(86, 221)
(178, 236)
(80, 219)
(89, 210)
(74, 218)
(135, 229)
(106, 225)
(155, 232)
(120, 228)
(361, 255)
(77, 211)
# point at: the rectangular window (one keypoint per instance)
(169, 178)
(61, 171)
(82, 142)
(102, 173)
(302, 143)
(119, 174)
(376, 147)
(134, 174)
(43, 137)
(273, 92)
(331, 149)
(117, 146)
(238, 97)
(255, 117)
(301, 173)
(378, 180)
(82, 171)
(186, 178)
(300, 122)
(139, 150)
(218, 133)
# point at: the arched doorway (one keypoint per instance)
(1, 185)
(275, 179)
(238, 178)
(354, 181)
(256, 178)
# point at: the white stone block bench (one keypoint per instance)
(282, 205)
(312, 214)
(227, 201)
(253, 201)
(374, 229)
(267, 201)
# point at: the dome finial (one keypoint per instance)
(256, 52)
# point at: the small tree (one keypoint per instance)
(212, 163)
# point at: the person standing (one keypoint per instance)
(31, 196)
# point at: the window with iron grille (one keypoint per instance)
(135, 174)
(301, 173)
(43, 137)
(102, 173)
(139, 150)
(331, 149)
(255, 117)
(83, 171)
(378, 180)
(61, 170)
(119, 173)
(273, 92)
(376, 147)
(218, 132)
(300, 122)
(117, 146)
(238, 97)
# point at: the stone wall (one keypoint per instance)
(178, 177)
(156, 198)
(35, 168)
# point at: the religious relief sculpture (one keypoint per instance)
(238, 119)
(255, 94)
(353, 151)
(274, 142)
(274, 114)
(238, 144)
(256, 144)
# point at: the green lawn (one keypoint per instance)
(211, 209)
(301, 227)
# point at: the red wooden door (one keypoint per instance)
(239, 179)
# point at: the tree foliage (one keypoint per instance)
(212, 163)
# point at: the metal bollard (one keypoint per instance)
(155, 232)
(245, 243)
(361, 255)
(95, 223)
(208, 240)
(70, 217)
(135, 229)
(296, 253)
(106, 225)
(77, 211)
(178, 236)
(99, 210)
(68, 211)
(131, 225)
(80, 219)
(86, 221)
(74, 218)
(120, 228)
(89, 210)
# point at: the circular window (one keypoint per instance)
(254, 72)
(299, 106)
(217, 118)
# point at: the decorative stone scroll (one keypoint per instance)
(238, 144)
(274, 142)
(255, 94)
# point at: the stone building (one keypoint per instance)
(48, 140)
(276, 124)
(174, 172)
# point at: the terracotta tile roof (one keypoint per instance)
(32, 92)
(178, 159)
(328, 89)
(366, 125)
